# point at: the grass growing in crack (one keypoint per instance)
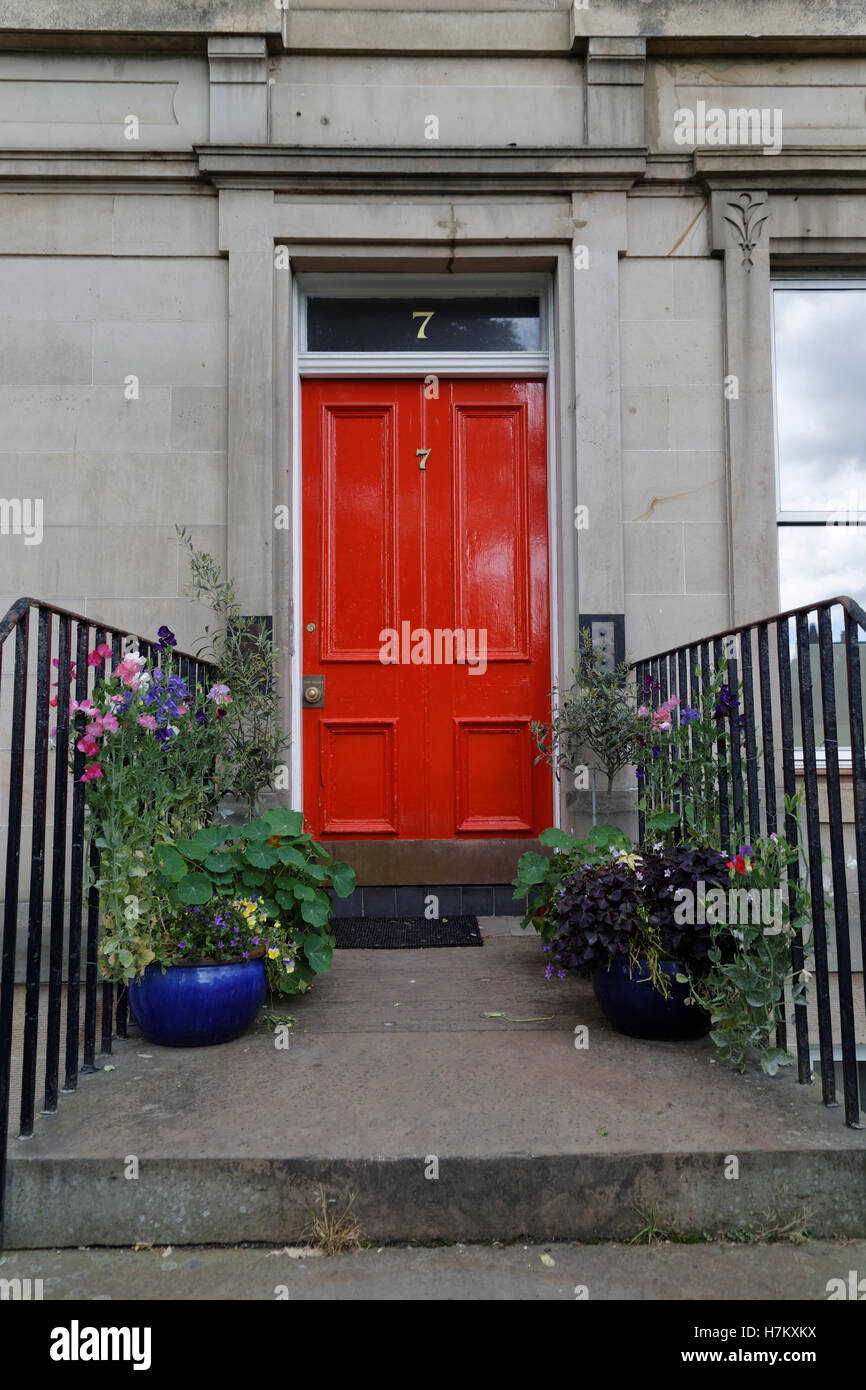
(334, 1230)
(773, 1227)
(779, 1223)
(651, 1230)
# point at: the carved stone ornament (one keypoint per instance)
(746, 218)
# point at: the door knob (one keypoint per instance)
(314, 692)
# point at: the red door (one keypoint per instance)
(425, 608)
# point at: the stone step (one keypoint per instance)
(401, 1066)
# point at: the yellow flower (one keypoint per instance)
(631, 861)
(273, 953)
(290, 968)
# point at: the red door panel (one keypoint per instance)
(448, 561)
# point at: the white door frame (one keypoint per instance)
(344, 284)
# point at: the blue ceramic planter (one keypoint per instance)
(632, 1006)
(197, 1005)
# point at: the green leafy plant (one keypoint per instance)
(623, 906)
(152, 746)
(245, 657)
(750, 959)
(540, 876)
(269, 870)
(684, 759)
(596, 713)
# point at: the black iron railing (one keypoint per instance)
(802, 675)
(36, 734)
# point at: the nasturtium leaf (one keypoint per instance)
(556, 839)
(171, 863)
(287, 854)
(343, 879)
(195, 889)
(316, 913)
(320, 872)
(261, 856)
(256, 830)
(319, 953)
(194, 849)
(283, 821)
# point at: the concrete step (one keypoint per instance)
(660, 1272)
(443, 1124)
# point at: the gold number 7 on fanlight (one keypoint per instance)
(426, 315)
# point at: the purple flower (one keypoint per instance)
(687, 715)
(747, 850)
(726, 704)
(166, 639)
(200, 716)
(245, 955)
(641, 775)
(560, 974)
(548, 974)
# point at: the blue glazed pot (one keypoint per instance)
(198, 1005)
(632, 1006)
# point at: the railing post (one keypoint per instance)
(840, 887)
(816, 872)
(10, 910)
(37, 874)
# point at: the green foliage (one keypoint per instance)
(144, 786)
(245, 657)
(540, 876)
(751, 961)
(269, 871)
(596, 713)
(683, 754)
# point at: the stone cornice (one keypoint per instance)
(325, 170)
(59, 168)
(444, 26)
(812, 169)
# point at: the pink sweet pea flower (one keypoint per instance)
(87, 745)
(146, 721)
(643, 712)
(87, 705)
(109, 723)
(94, 729)
(93, 771)
(99, 654)
(130, 674)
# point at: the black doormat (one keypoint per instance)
(404, 933)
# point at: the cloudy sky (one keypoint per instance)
(820, 347)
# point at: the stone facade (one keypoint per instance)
(153, 155)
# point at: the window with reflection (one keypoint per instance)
(820, 398)
(819, 333)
